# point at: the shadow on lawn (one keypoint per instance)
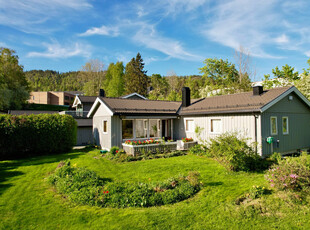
(8, 167)
(214, 183)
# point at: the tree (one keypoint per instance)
(160, 87)
(135, 77)
(93, 74)
(115, 80)
(14, 88)
(245, 71)
(286, 73)
(220, 76)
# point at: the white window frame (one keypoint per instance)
(221, 129)
(287, 125)
(276, 133)
(103, 126)
(186, 127)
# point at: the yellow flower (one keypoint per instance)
(74, 165)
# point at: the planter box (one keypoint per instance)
(136, 150)
(185, 145)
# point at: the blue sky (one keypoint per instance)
(172, 36)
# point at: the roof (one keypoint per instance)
(134, 94)
(137, 106)
(234, 103)
(87, 99)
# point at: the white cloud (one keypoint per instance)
(103, 30)
(27, 15)
(148, 36)
(282, 39)
(307, 53)
(55, 50)
(245, 23)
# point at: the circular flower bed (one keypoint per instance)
(83, 186)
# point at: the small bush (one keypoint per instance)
(292, 174)
(114, 150)
(36, 134)
(199, 150)
(234, 153)
(254, 193)
(83, 186)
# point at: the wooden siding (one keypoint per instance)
(242, 124)
(299, 126)
(84, 136)
(102, 139)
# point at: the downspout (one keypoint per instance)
(255, 132)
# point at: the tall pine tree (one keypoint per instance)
(135, 77)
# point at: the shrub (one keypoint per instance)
(234, 153)
(254, 193)
(114, 150)
(83, 186)
(292, 174)
(198, 150)
(36, 134)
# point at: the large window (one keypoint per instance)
(273, 126)
(105, 126)
(216, 126)
(189, 125)
(285, 125)
(127, 129)
(141, 128)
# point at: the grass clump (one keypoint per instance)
(83, 186)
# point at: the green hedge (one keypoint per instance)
(36, 134)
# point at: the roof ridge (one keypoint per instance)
(140, 99)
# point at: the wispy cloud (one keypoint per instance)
(242, 22)
(103, 30)
(27, 15)
(55, 50)
(149, 37)
(282, 39)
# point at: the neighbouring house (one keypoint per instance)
(83, 104)
(280, 116)
(53, 98)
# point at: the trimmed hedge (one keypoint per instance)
(36, 134)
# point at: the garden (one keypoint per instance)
(200, 190)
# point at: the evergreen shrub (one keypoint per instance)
(41, 134)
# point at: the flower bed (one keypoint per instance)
(187, 139)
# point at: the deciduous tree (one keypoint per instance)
(14, 88)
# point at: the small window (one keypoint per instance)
(216, 126)
(285, 125)
(105, 126)
(66, 98)
(189, 125)
(273, 125)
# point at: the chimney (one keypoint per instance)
(186, 97)
(257, 90)
(101, 93)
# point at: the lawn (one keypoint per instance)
(28, 202)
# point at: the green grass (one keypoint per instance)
(28, 202)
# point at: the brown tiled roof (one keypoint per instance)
(234, 103)
(136, 106)
(87, 99)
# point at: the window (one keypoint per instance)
(154, 131)
(105, 126)
(127, 129)
(273, 125)
(140, 129)
(285, 125)
(189, 125)
(66, 98)
(216, 126)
